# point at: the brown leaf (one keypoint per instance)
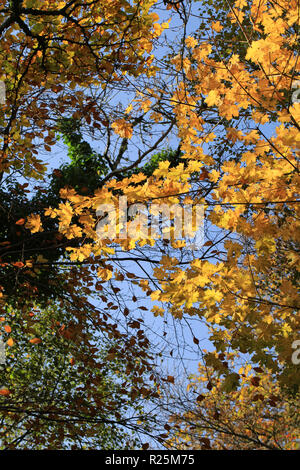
(131, 275)
(206, 442)
(209, 386)
(258, 396)
(255, 381)
(200, 398)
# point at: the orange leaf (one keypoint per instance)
(5, 392)
(18, 264)
(7, 328)
(20, 222)
(35, 341)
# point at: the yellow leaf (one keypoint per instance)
(34, 223)
(122, 128)
(191, 42)
(216, 26)
(105, 274)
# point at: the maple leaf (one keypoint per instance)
(213, 98)
(216, 26)
(34, 223)
(123, 128)
(191, 42)
(105, 274)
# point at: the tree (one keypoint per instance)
(245, 410)
(238, 137)
(239, 284)
(62, 48)
(67, 383)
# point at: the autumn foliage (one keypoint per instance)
(77, 311)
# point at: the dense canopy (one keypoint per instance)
(134, 338)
